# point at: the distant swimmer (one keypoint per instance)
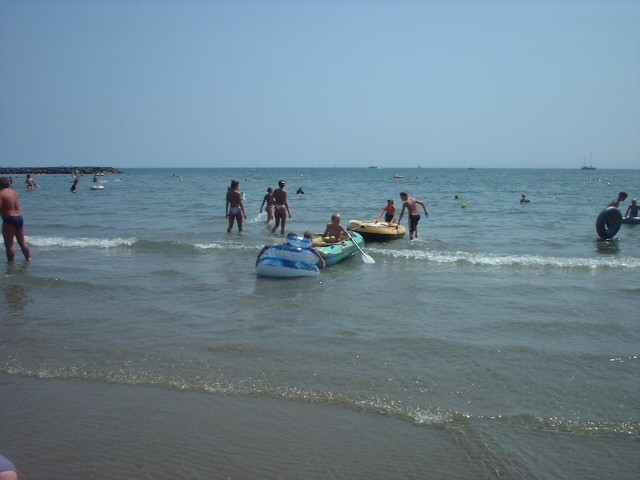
(632, 210)
(300, 191)
(12, 221)
(74, 185)
(30, 182)
(389, 212)
(524, 200)
(622, 196)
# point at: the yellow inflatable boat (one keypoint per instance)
(377, 231)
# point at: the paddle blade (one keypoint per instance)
(367, 259)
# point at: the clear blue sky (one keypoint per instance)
(164, 83)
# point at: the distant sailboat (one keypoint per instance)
(590, 166)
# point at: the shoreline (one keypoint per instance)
(80, 429)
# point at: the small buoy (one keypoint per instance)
(464, 205)
(589, 198)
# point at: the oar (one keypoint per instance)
(365, 258)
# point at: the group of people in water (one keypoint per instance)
(276, 205)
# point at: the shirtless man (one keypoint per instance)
(12, 222)
(411, 204)
(235, 207)
(622, 196)
(281, 208)
(333, 231)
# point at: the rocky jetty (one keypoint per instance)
(56, 170)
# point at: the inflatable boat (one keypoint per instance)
(336, 252)
(290, 259)
(281, 267)
(631, 220)
(608, 223)
(377, 231)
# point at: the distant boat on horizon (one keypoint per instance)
(397, 175)
(588, 167)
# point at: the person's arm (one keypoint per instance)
(401, 214)
(226, 206)
(381, 213)
(263, 202)
(322, 262)
(242, 210)
(286, 205)
(424, 207)
(627, 212)
(261, 253)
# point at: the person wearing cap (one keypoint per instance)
(281, 207)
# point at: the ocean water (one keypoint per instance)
(504, 342)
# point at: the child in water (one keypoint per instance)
(633, 209)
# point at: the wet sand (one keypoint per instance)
(88, 430)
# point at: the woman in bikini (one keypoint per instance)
(268, 199)
(281, 208)
(234, 205)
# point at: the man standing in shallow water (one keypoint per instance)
(411, 204)
(12, 222)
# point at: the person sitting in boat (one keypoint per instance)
(333, 231)
(524, 200)
(622, 196)
(389, 212)
(291, 238)
(633, 210)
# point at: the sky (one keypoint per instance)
(256, 84)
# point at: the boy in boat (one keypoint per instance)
(633, 210)
(411, 204)
(235, 206)
(333, 231)
(389, 212)
(12, 222)
(281, 208)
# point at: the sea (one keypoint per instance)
(503, 343)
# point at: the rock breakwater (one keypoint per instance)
(56, 170)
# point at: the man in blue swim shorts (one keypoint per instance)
(12, 222)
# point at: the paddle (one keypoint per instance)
(365, 258)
